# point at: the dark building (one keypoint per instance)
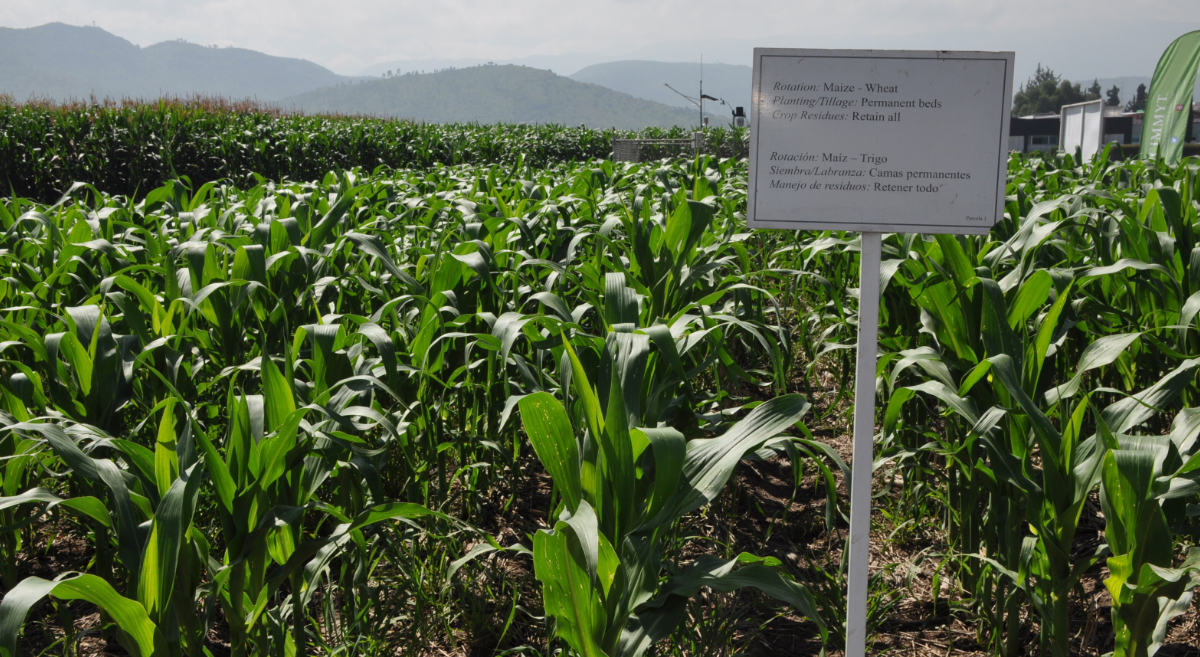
(1040, 132)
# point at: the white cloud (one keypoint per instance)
(1075, 37)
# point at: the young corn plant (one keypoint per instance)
(159, 614)
(621, 488)
(1145, 485)
(265, 485)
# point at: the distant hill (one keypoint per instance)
(561, 64)
(62, 61)
(645, 79)
(489, 94)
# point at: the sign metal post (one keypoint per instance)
(864, 439)
(876, 142)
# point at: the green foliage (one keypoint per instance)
(1144, 483)
(1047, 92)
(1113, 96)
(250, 402)
(598, 569)
(139, 634)
(1138, 102)
(132, 149)
(256, 403)
(1065, 336)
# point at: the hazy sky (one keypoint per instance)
(1077, 38)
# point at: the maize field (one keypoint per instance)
(576, 408)
(131, 147)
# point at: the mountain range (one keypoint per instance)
(61, 62)
(492, 93)
(644, 79)
(65, 62)
(561, 64)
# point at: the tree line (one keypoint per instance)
(1048, 92)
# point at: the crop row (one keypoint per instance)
(231, 391)
(132, 148)
(258, 405)
(1040, 378)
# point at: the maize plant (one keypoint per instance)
(131, 147)
(250, 403)
(278, 408)
(1145, 482)
(1066, 332)
(622, 485)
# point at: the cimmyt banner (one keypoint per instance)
(1169, 103)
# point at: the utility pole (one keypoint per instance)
(701, 91)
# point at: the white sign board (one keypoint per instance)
(1082, 127)
(876, 141)
(879, 140)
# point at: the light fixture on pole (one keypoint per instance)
(699, 102)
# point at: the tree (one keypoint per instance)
(1046, 92)
(1138, 102)
(1093, 92)
(1114, 97)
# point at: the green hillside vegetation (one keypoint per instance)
(645, 79)
(491, 94)
(58, 61)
